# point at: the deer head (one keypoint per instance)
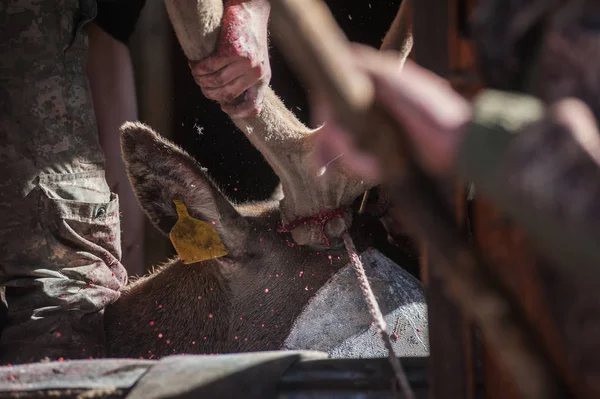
(247, 300)
(265, 279)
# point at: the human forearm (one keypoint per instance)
(112, 84)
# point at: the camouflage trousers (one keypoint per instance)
(59, 223)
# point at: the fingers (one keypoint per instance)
(250, 106)
(223, 76)
(211, 64)
(235, 88)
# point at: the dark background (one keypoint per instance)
(231, 160)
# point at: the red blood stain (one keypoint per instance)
(235, 338)
(266, 290)
(160, 335)
(193, 342)
(262, 325)
(168, 341)
(151, 323)
(210, 316)
(57, 335)
(199, 297)
(300, 274)
(61, 359)
(240, 318)
(320, 219)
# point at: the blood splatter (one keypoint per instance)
(151, 323)
(160, 335)
(320, 219)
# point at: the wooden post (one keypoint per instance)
(451, 367)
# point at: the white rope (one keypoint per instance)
(377, 316)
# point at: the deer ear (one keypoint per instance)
(161, 172)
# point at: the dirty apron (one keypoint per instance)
(59, 223)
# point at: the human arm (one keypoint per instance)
(240, 64)
(110, 74)
(490, 143)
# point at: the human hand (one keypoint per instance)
(238, 73)
(432, 113)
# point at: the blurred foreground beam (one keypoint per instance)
(319, 51)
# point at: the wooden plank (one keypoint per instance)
(450, 365)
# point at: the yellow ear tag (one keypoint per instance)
(193, 239)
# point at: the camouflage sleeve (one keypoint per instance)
(536, 167)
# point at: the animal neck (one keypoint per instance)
(288, 146)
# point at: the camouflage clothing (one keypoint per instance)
(59, 223)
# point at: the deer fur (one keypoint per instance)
(260, 295)
(245, 301)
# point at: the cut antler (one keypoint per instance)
(284, 141)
